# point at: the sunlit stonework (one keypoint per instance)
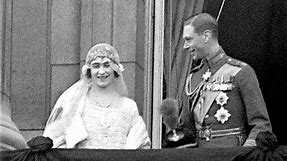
(222, 115)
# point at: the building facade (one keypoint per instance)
(44, 44)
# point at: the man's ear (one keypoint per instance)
(207, 35)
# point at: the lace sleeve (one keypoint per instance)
(137, 137)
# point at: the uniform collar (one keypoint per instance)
(212, 63)
(216, 59)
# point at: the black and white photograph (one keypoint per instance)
(201, 80)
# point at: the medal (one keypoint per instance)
(206, 75)
(222, 114)
(222, 98)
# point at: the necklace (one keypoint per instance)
(105, 104)
(101, 102)
(102, 99)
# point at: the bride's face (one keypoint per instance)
(101, 71)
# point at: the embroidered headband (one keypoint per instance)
(105, 50)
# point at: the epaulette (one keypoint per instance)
(236, 62)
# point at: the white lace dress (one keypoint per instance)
(76, 123)
(107, 127)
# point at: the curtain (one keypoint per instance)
(176, 62)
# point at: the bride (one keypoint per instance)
(95, 112)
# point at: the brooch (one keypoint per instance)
(222, 114)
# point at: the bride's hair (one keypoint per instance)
(105, 50)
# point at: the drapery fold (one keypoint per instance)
(176, 62)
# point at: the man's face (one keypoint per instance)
(101, 71)
(194, 43)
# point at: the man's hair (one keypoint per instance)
(202, 22)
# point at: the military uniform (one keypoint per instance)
(222, 103)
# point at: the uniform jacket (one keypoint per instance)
(245, 102)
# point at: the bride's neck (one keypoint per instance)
(101, 92)
(103, 97)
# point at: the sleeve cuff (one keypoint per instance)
(249, 142)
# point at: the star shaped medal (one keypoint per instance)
(222, 98)
(222, 114)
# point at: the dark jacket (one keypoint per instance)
(245, 104)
